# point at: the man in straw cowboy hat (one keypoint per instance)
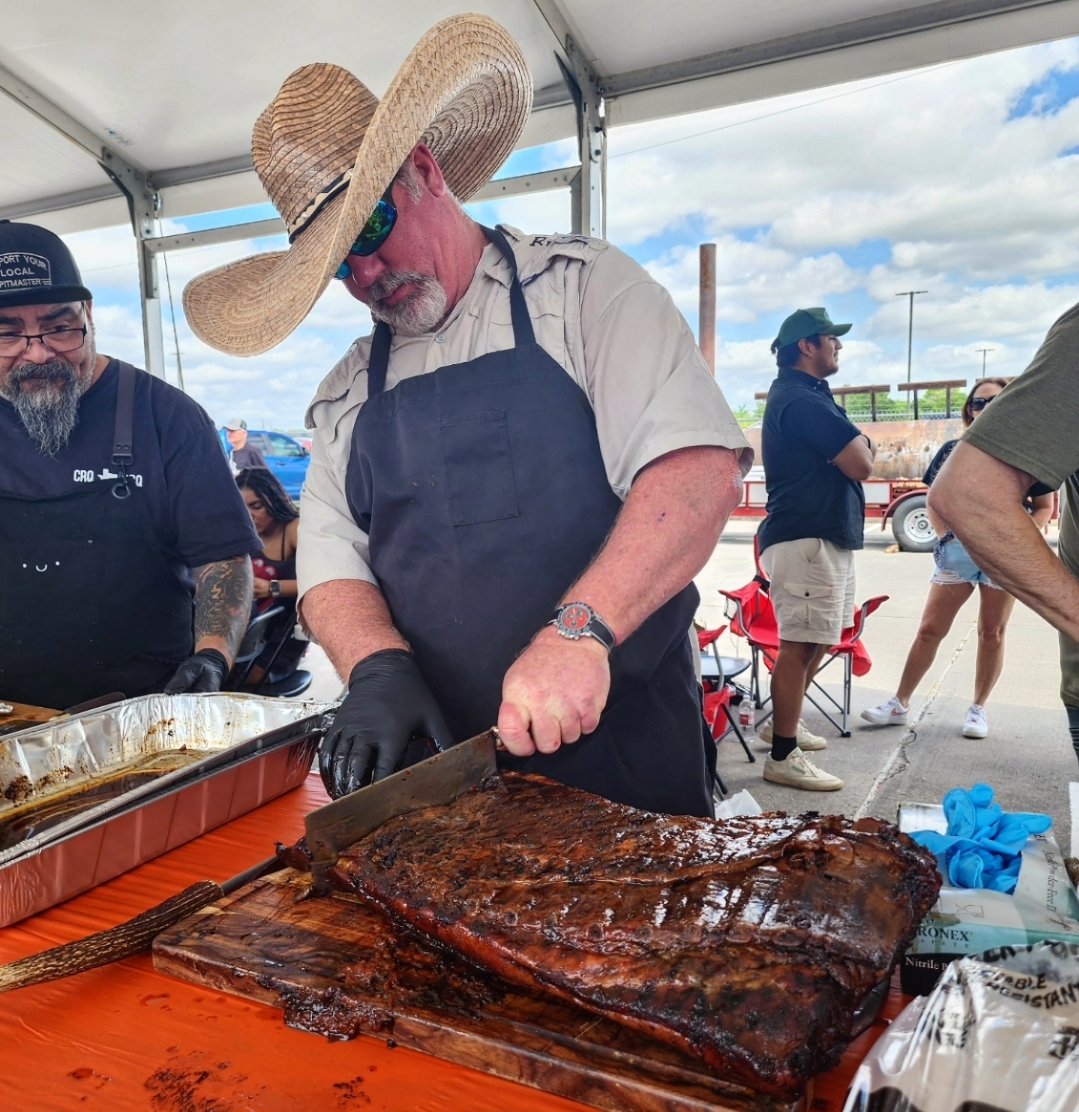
(112, 488)
(516, 477)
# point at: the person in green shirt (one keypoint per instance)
(1028, 435)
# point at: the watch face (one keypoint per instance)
(575, 617)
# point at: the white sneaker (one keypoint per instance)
(807, 742)
(798, 771)
(976, 724)
(890, 713)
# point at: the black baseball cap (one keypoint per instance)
(36, 267)
(803, 323)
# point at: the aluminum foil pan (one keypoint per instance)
(216, 756)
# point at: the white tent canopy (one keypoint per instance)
(117, 110)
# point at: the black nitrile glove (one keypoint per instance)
(205, 671)
(387, 706)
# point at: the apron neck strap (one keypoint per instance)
(523, 333)
(123, 428)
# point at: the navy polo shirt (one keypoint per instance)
(808, 496)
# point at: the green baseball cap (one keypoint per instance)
(803, 323)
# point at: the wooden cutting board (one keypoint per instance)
(337, 967)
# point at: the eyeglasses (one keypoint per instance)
(978, 404)
(374, 233)
(59, 340)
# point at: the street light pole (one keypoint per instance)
(910, 322)
(983, 351)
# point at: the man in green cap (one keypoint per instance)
(814, 461)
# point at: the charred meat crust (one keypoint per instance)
(748, 942)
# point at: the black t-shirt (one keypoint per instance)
(808, 496)
(937, 462)
(247, 456)
(197, 512)
(945, 450)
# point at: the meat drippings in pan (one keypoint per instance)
(35, 817)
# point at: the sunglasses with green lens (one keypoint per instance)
(374, 233)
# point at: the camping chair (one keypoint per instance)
(851, 650)
(752, 617)
(720, 720)
(716, 673)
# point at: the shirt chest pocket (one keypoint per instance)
(478, 463)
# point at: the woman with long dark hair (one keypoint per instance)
(276, 520)
(952, 582)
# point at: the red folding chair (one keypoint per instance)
(752, 617)
(855, 657)
(720, 720)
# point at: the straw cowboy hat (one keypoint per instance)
(326, 149)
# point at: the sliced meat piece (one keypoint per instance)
(748, 942)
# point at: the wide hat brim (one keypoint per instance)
(465, 92)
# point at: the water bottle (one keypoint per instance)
(747, 716)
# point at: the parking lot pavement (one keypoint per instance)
(1027, 758)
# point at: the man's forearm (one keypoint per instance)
(980, 499)
(223, 592)
(349, 618)
(664, 535)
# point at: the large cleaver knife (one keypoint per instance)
(438, 780)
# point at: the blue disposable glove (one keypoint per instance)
(983, 844)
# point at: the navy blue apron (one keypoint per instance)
(483, 491)
(85, 587)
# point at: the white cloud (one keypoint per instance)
(844, 196)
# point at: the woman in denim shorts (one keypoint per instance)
(955, 575)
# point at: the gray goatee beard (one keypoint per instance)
(420, 312)
(50, 411)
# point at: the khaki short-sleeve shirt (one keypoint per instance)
(599, 314)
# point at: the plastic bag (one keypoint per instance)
(1000, 1032)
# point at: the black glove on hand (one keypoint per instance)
(387, 705)
(205, 671)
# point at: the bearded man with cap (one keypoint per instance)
(124, 543)
(814, 462)
(516, 477)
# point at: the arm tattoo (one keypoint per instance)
(223, 593)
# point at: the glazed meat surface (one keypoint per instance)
(746, 942)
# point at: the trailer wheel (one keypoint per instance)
(911, 527)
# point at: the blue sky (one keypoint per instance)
(961, 179)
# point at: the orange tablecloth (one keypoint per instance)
(127, 1037)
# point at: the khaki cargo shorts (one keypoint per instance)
(812, 589)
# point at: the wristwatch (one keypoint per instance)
(275, 588)
(577, 619)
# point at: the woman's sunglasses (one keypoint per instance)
(374, 234)
(978, 404)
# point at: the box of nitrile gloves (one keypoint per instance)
(964, 921)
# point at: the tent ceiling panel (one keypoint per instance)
(175, 88)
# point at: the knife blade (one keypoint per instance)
(438, 780)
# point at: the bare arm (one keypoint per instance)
(223, 592)
(981, 500)
(350, 620)
(856, 459)
(664, 534)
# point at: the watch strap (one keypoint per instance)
(575, 620)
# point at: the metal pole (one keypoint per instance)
(707, 314)
(984, 351)
(910, 327)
